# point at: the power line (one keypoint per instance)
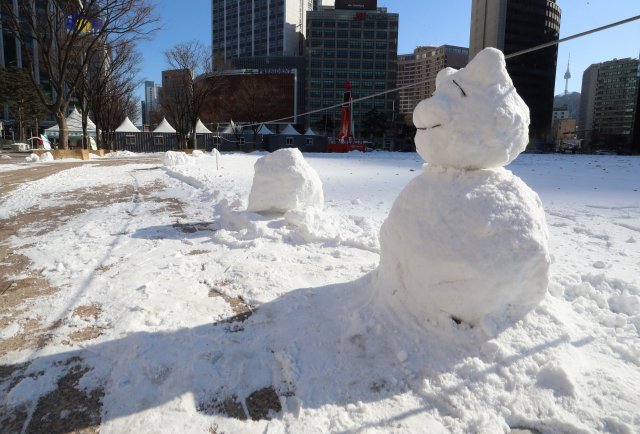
(539, 47)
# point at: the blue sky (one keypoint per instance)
(437, 23)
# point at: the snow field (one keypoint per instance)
(338, 360)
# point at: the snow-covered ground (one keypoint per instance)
(338, 360)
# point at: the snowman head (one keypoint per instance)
(475, 119)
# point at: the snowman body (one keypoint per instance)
(467, 237)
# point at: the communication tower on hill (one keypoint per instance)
(567, 76)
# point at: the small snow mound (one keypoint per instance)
(599, 265)
(475, 119)
(171, 158)
(284, 181)
(481, 251)
(121, 154)
(46, 157)
(356, 202)
(402, 356)
(5, 157)
(197, 154)
(631, 240)
(555, 377)
(33, 158)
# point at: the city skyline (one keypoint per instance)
(450, 25)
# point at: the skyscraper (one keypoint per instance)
(515, 25)
(150, 99)
(245, 28)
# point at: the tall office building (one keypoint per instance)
(359, 46)
(587, 101)
(423, 64)
(245, 28)
(150, 99)
(515, 25)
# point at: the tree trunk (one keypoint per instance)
(85, 135)
(63, 139)
(193, 140)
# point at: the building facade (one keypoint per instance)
(424, 64)
(616, 94)
(587, 101)
(245, 28)
(560, 113)
(356, 46)
(515, 25)
(563, 129)
(150, 100)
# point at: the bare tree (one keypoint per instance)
(196, 76)
(62, 48)
(254, 102)
(173, 107)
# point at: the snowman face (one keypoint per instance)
(475, 119)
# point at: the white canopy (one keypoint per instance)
(264, 130)
(201, 129)
(127, 127)
(290, 131)
(228, 130)
(309, 132)
(164, 127)
(74, 125)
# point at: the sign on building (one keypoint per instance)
(362, 5)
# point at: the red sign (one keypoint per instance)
(360, 16)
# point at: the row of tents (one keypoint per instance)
(163, 138)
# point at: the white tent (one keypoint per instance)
(127, 127)
(309, 132)
(74, 125)
(264, 130)
(290, 131)
(164, 127)
(201, 129)
(228, 130)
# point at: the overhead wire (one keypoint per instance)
(539, 47)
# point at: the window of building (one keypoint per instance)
(381, 55)
(343, 33)
(341, 83)
(354, 64)
(309, 142)
(316, 62)
(289, 141)
(329, 43)
(329, 23)
(316, 32)
(158, 140)
(130, 139)
(381, 44)
(378, 104)
(369, 24)
(329, 73)
(381, 75)
(367, 64)
(327, 93)
(354, 74)
(329, 53)
(380, 85)
(328, 63)
(356, 24)
(367, 54)
(367, 74)
(383, 24)
(356, 34)
(315, 103)
(241, 141)
(341, 74)
(341, 63)
(355, 54)
(343, 23)
(369, 33)
(343, 43)
(383, 65)
(316, 53)
(343, 53)
(316, 73)
(367, 44)
(330, 33)
(316, 83)
(355, 44)
(328, 83)
(367, 84)
(216, 140)
(315, 92)
(327, 103)
(367, 104)
(355, 84)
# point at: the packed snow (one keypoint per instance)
(317, 334)
(171, 158)
(284, 181)
(475, 119)
(46, 157)
(121, 154)
(33, 158)
(482, 232)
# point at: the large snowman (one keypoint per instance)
(467, 237)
